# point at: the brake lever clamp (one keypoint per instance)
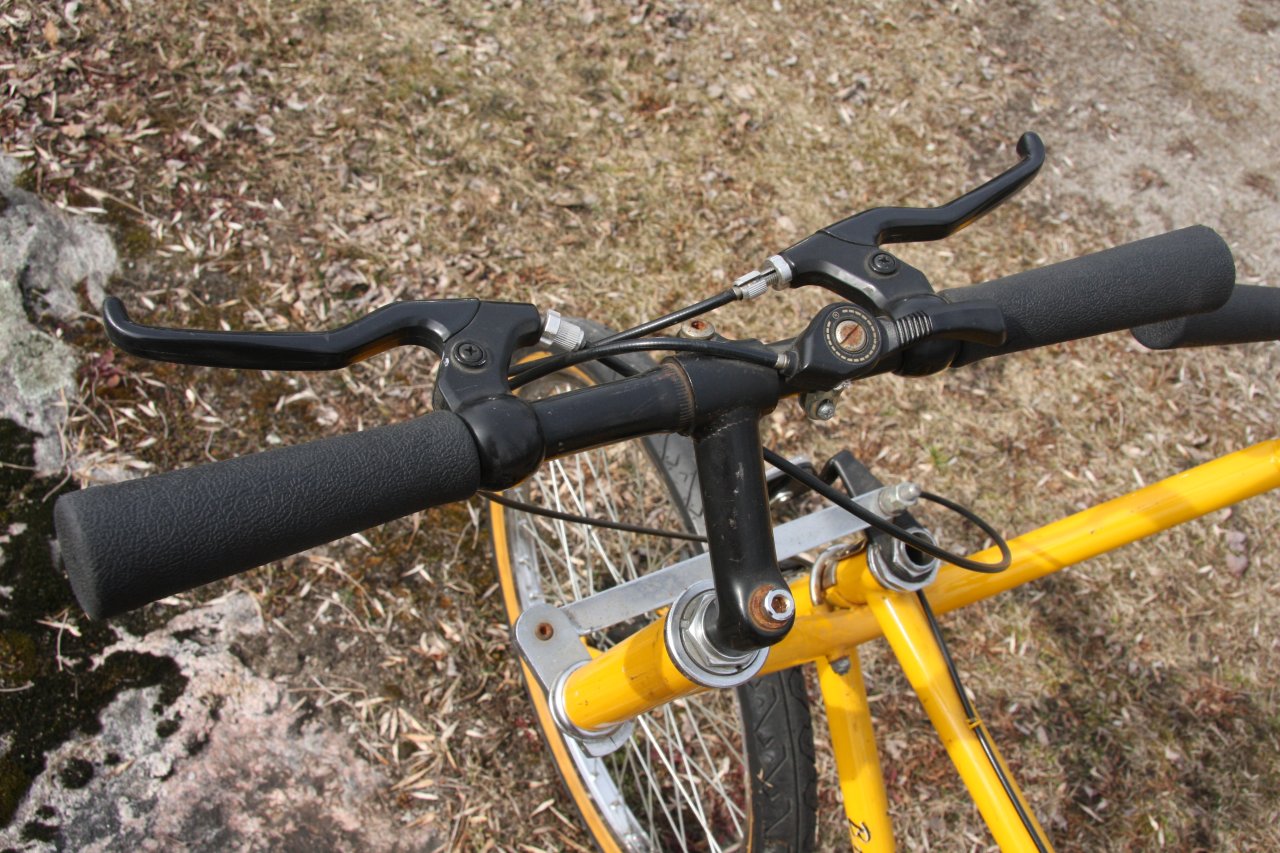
(844, 341)
(846, 258)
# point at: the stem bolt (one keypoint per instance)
(469, 354)
(884, 263)
(779, 604)
(697, 330)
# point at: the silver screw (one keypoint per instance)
(826, 410)
(779, 604)
(841, 666)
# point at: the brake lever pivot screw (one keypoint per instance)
(884, 263)
(469, 354)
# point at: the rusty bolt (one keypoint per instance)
(771, 607)
(697, 330)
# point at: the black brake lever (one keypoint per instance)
(425, 323)
(846, 257)
(475, 340)
(882, 225)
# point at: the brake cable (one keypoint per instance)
(609, 524)
(687, 313)
(722, 349)
(872, 520)
(979, 727)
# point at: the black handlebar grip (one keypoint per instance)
(1251, 315)
(127, 544)
(1189, 271)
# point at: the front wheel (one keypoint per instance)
(718, 771)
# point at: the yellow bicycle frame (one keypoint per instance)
(637, 675)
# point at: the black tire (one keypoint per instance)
(768, 719)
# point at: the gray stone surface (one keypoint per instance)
(46, 259)
(242, 770)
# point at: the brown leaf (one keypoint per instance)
(51, 34)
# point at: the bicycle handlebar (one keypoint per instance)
(135, 542)
(1172, 275)
(131, 543)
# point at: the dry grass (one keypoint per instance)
(270, 165)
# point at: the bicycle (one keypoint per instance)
(631, 635)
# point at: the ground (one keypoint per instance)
(273, 165)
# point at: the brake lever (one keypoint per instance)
(882, 225)
(425, 323)
(475, 340)
(846, 258)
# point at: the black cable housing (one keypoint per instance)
(979, 728)
(721, 349)
(687, 313)
(546, 512)
(978, 522)
(872, 520)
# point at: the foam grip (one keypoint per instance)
(127, 544)
(1189, 271)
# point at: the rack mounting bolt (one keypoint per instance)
(894, 499)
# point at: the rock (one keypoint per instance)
(50, 254)
(45, 258)
(229, 765)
